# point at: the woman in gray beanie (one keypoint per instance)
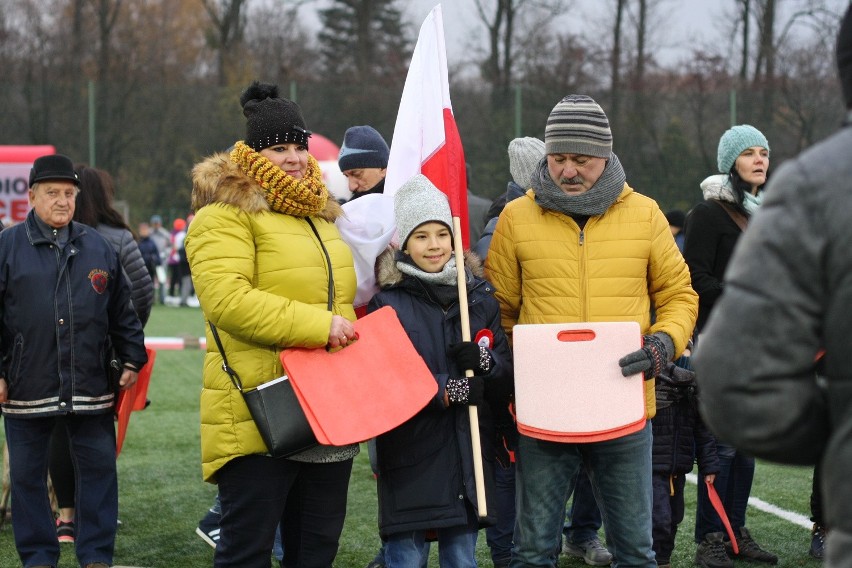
(712, 230)
(425, 466)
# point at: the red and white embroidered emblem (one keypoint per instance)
(99, 279)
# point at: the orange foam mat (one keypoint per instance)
(369, 387)
(132, 399)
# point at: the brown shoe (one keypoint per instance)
(97, 565)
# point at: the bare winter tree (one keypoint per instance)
(225, 36)
(512, 27)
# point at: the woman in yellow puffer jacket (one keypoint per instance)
(262, 279)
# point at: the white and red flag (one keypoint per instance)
(425, 140)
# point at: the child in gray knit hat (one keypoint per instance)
(426, 476)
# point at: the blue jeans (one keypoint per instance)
(584, 517)
(409, 549)
(733, 484)
(620, 472)
(92, 440)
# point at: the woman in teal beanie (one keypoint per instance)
(712, 229)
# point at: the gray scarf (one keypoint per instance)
(447, 276)
(593, 202)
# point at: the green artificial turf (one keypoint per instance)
(162, 495)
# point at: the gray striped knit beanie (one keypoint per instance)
(578, 125)
(416, 202)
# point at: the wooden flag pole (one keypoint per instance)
(476, 444)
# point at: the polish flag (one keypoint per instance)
(425, 140)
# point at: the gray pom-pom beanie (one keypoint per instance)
(418, 201)
(524, 155)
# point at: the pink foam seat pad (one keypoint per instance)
(568, 383)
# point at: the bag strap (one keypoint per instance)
(328, 262)
(235, 378)
(737, 217)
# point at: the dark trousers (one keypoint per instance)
(584, 517)
(816, 496)
(61, 466)
(733, 484)
(667, 513)
(308, 499)
(92, 439)
(499, 536)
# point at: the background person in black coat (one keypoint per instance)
(713, 228)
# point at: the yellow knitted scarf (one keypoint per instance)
(284, 193)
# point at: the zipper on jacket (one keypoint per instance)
(584, 287)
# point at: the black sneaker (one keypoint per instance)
(711, 552)
(817, 549)
(750, 550)
(208, 528)
(65, 531)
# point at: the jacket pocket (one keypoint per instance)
(430, 484)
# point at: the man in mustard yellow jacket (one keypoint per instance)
(581, 245)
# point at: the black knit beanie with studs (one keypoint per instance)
(271, 120)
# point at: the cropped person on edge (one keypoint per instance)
(363, 159)
(262, 279)
(712, 230)
(63, 299)
(788, 296)
(94, 208)
(582, 245)
(426, 476)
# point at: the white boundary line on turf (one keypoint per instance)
(762, 505)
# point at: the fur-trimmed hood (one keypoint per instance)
(387, 273)
(217, 179)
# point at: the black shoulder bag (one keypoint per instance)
(274, 406)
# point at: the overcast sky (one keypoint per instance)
(679, 24)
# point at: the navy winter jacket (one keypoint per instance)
(680, 437)
(60, 307)
(426, 478)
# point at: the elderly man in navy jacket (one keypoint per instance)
(64, 309)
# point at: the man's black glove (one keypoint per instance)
(466, 391)
(470, 355)
(657, 350)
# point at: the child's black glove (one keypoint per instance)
(657, 350)
(466, 391)
(673, 384)
(470, 355)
